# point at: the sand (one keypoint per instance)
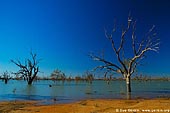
(90, 106)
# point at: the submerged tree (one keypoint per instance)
(127, 64)
(58, 75)
(89, 77)
(29, 69)
(6, 77)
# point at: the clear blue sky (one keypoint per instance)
(63, 32)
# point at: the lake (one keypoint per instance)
(74, 91)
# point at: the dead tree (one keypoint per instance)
(58, 75)
(29, 69)
(89, 77)
(6, 77)
(126, 65)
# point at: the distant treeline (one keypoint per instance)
(87, 77)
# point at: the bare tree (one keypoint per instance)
(89, 77)
(6, 76)
(58, 75)
(126, 66)
(29, 69)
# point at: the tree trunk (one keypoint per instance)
(128, 86)
(30, 81)
(6, 81)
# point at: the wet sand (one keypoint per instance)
(90, 106)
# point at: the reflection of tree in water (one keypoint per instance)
(30, 90)
(57, 90)
(89, 89)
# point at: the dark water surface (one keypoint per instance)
(73, 91)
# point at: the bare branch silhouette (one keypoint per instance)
(127, 66)
(28, 70)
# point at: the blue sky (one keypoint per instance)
(63, 32)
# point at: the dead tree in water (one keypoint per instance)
(29, 70)
(58, 75)
(89, 77)
(126, 65)
(6, 77)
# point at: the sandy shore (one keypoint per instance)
(90, 106)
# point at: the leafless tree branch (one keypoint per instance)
(28, 70)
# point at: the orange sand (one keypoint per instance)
(90, 106)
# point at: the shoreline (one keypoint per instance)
(89, 106)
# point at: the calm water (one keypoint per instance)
(72, 91)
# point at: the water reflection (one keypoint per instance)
(72, 91)
(30, 90)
